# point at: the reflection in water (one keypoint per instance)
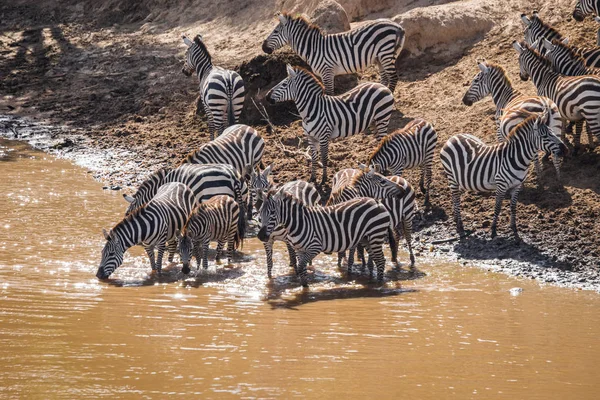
(230, 332)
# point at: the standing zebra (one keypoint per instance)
(584, 8)
(152, 226)
(259, 185)
(350, 183)
(472, 165)
(329, 117)
(377, 42)
(512, 107)
(577, 97)
(305, 193)
(409, 147)
(221, 90)
(215, 219)
(312, 230)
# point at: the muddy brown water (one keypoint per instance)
(448, 332)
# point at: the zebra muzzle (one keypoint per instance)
(262, 234)
(577, 16)
(467, 102)
(186, 268)
(266, 48)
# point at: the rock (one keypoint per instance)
(330, 17)
(516, 291)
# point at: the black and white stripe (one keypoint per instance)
(473, 166)
(313, 230)
(214, 220)
(152, 226)
(305, 193)
(512, 107)
(221, 90)
(584, 8)
(329, 117)
(376, 42)
(410, 147)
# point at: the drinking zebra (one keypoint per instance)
(584, 8)
(221, 90)
(329, 117)
(350, 183)
(472, 165)
(152, 226)
(312, 230)
(536, 29)
(377, 42)
(305, 193)
(512, 107)
(409, 147)
(205, 181)
(214, 220)
(577, 97)
(259, 185)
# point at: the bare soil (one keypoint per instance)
(110, 72)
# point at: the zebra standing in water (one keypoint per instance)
(377, 42)
(329, 117)
(215, 219)
(472, 165)
(512, 107)
(259, 184)
(312, 230)
(350, 183)
(152, 226)
(409, 147)
(584, 8)
(221, 90)
(305, 193)
(577, 97)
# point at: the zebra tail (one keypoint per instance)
(400, 44)
(241, 230)
(230, 113)
(392, 239)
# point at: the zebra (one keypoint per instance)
(259, 184)
(328, 117)
(472, 165)
(512, 106)
(566, 61)
(377, 42)
(215, 219)
(222, 91)
(350, 183)
(312, 230)
(305, 193)
(205, 181)
(409, 147)
(584, 8)
(536, 29)
(577, 97)
(151, 225)
(597, 19)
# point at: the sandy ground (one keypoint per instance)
(110, 74)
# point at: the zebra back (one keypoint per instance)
(213, 220)
(536, 29)
(146, 190)
(567, 60)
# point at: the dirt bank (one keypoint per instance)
(110, 73)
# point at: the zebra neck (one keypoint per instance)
(305, 40)
(203, 70)
(124, 237)
(544, 80)
(308, 103)
(503, 94)
(523, 148)
(295, 217)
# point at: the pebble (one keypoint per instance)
(516, 291)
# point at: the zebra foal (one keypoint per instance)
(329, 117)
(473, 166)
(152, 226)
(376, 42)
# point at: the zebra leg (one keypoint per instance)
(150, 253)
(456, 209)
(500, 192)
(172, 248)
(230, 246)
(590, 136)
(341, 256)
(376, 253)
(251, 201)
(351, 252)
(361, 255)
(205, 253)
(269, 253)
(314, 157)
(304, 257)
(220, 245)
(211, 124)
(198, 254)
(425, 182)
(324, 158)
(328, 81)
(407, 229)
(293, 258)
(394, 244)
(160, 252)
(538, 170)
(577, 137)
(387, 69)
(513, 211)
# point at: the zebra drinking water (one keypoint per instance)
(409, 147)
(152, 226)
(472, 165)
(221, 90)
(312, 230)
(376, 42)
(329, 117)
(214, 220)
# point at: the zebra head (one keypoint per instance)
(480, 87)
(184, 248)
(284, 90)
(260, 184)
(548, 139)
(584, 8)
(112, 255)
(536, 29)
(526, 59)
(196, 56)
(370, 183)
(279, 37)
(561, 56)
(269, 214)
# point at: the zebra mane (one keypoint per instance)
(540, 58)
(572, 51)
(312, 76)
(120, 225)
(334, 196)
(389, 138)
(303, 19)
(198, 42)
(536, 19)
(151, 178)
(501, 71)
(188, 158)
(525, 124)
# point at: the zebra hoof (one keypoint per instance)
(412, 261)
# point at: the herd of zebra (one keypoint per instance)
(216, 189)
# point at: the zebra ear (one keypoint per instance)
(106, 234)
(566, 40)
(128, 198)
(536, 45)
(290, 71)
(282, 19)
(482, 67)
(186, 40)
(362, 167)
(198, 39)
(597, 19)
(267, 171)
(525, 20)
(549, 46)
(178, 234)
(376, 168)
(517, 47)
